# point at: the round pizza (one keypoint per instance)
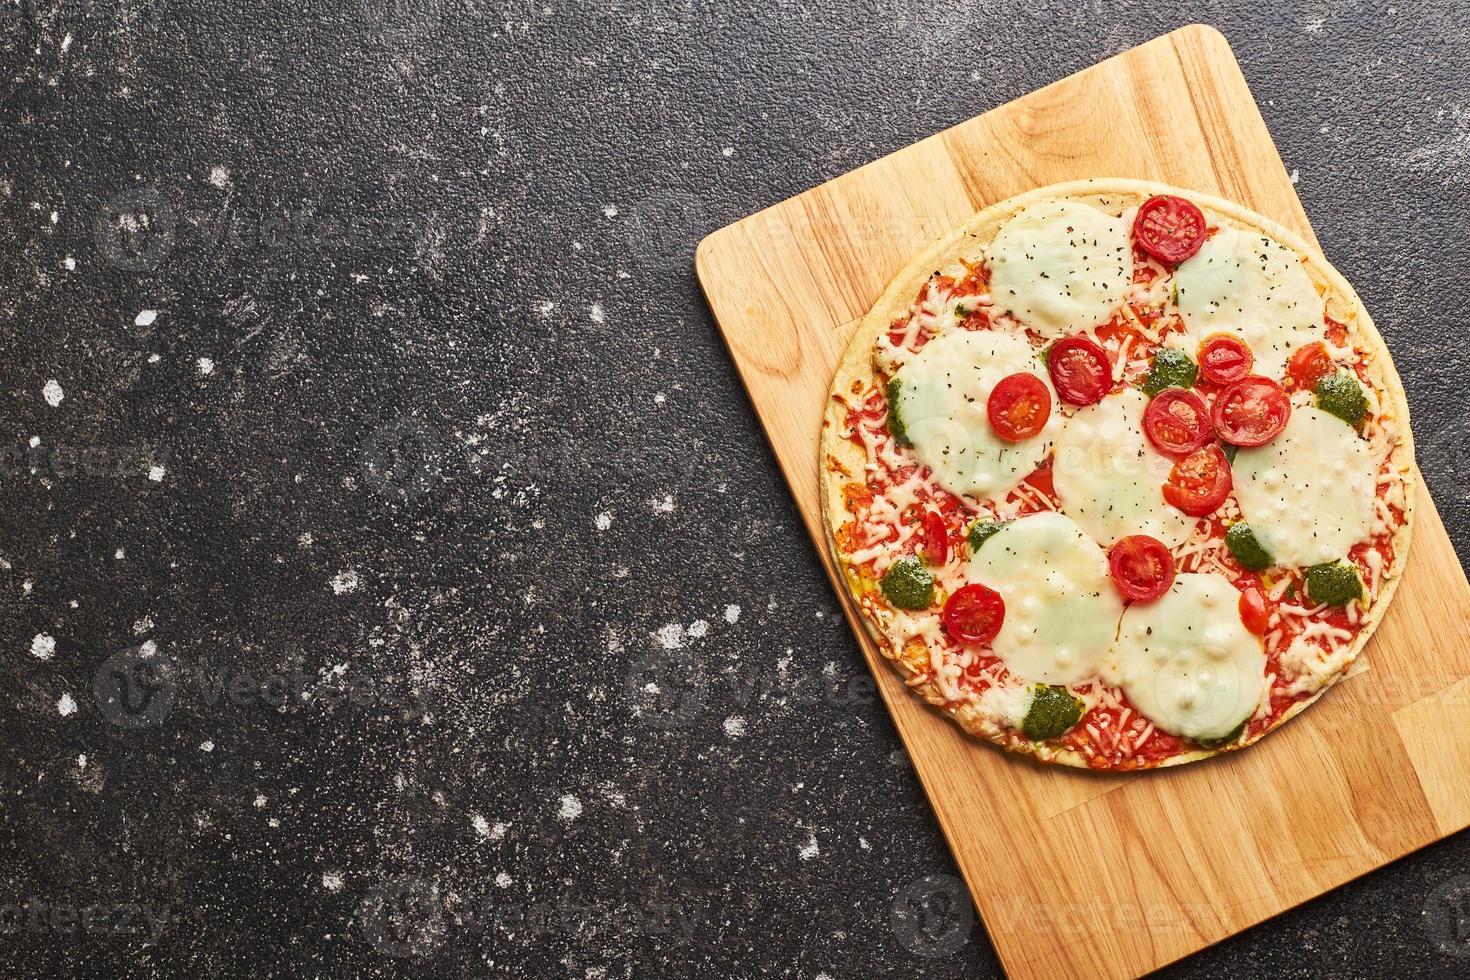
(1119, 475)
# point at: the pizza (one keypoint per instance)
(1119, 475)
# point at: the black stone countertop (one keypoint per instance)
(393, 576)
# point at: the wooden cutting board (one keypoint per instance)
(1077, 873)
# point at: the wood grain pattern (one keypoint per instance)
(1076, 873)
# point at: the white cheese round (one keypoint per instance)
(1110, 479)
(1061, 607)
(942, 397)
(1254, 287)
(1308, 493)
(1060, 267)
(1187, 662)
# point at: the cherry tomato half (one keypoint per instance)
(1200, 482)
(974, 614)
(1177, 421)
(1254, 612)
(1019, 407)
(1224, 357)
(1309, 365)
(1080, 370)
(936, 538)
(1251, 411)
(1169, 228)
(1142, 567)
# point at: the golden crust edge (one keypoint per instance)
(898, 296)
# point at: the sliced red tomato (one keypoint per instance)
(1224, 357)
(1142, 567)
(936, 538)
(1177, 421)
(1309, 365)
(1169, 228)
(974, 614)
(1019, 406)
(1251, 411)
(1200, 482)
(1254, 612)
(1080, 370)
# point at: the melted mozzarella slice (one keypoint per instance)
(1060, 267)
(1187, 662)
(1253, 287)
(1308, 494)
(1061, 607)
(1110, 479)
(942, 399)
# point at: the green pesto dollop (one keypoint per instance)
(1052, 713)
(1223, 740)
(1335, 583)
(908, 584)
(980, 532)
(895, 421)
(1246, 548)
(1172, 369)
(1342, 395)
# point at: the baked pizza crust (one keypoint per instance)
(855, 373)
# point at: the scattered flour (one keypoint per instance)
(732, 614)
(604, 520)
(735, 726)
(345, 582)
(52, 392)
(43, 646)
(571, 808)
(66, 705)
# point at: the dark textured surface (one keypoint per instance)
(430, 405)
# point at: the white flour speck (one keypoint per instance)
(497, 832)
(120, 554)
(811, 849)
(66, 705)
(659, 398)
(219, 176)
(206, 746)
(571, 808)
(481, 825)
(332, 881)
(503, 880)
(259, 801)
(304, 539)
(82, 761)
(545, 307)
(664, 506)
(145, 318)
(154, 358)
(599, 315)
(735, 726)
(52, 393)
(670, 637)
(206, 366)
(604, 520)
(1314, 26)
(344, 582)
(66, 43)
(728, 151)
(732, 614)
(155, 473)
(1296, 175)
(609, 210)
(43, 646)
(698, 628)
(70, 263)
